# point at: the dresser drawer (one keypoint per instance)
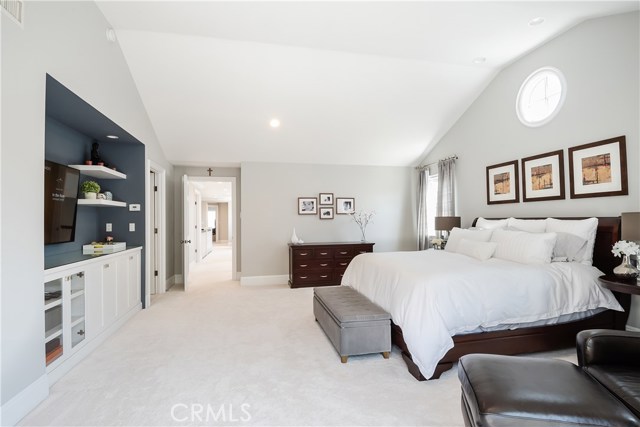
(313, 277)
(324, 253)
(309, 264)
(303, 253)
(344, 252)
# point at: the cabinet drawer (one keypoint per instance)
(344, 252)
(312, 277)
(358, 251)
(308, 264)
(302, 253)
(324, 252)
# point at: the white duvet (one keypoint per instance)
(433, 295)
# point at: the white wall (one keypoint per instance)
(66, 40)
(223, 221)
(600, 60)
(270, 194)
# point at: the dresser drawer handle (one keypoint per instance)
(303, 265)
(325, 276)
(323, 253)
(343, 253)
(304, 253)
(344, 263)
(323, 265)
(303, 277)
(363, 252)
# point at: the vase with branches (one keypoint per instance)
(362, 218)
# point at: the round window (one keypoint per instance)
(541, 96)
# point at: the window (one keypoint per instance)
(432, 201)
(541, 96)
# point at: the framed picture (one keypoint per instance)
(543, 177)
(307, 205)
(326, 213)
(326, 199)
(502, 183)
(345, 205)
(599, 169)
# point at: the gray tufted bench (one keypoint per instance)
(353, 324)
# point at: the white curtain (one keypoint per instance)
(446, 188)
(423, 234)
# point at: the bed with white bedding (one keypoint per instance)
(440, 300)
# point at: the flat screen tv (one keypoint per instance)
(60, 202)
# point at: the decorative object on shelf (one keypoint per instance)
(95, 153)
(95, 248)
(543, 177)
(102, 196)
(625, 249)
(108, 195)
(438, 243)
(307, 205)
(88, 162)
(295, 239)
(446, 224)
(599, 169)
(326, 199)
(90, 189)
(109, 239)
(362, 218)
(502, 183)
(345, 205)
(326, 212)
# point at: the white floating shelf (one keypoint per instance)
(99, 172)
(102, 203)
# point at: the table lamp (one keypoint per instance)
(446, 223)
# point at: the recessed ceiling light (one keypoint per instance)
(479, 60)
(274, 123)
(536, 21)
(113, 137)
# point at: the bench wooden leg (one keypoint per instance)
(385, 354)
(343, 359)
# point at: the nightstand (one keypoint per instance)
(623, 288)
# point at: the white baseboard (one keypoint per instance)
(281, 279)
(24, 402)
(68, 364)
(632, 328)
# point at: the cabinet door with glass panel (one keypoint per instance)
(64, 315)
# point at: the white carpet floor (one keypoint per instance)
(222, 354)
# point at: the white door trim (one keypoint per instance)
(234, 213)
(161, 213)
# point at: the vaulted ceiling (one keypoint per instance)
(360, 83)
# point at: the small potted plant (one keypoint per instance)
(90, 189)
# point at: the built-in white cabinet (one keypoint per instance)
(85, 302)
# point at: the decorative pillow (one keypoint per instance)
(568, 246)
(530, 225)
(457, 234)
(523, 247)
(488, 224)
(583, 228)
(478, 250)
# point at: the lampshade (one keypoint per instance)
(446, 223)
(631, 226)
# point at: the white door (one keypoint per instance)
(153, 191)
(186, 231)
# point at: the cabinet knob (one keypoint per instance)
(130, 257)
(105, 266)
(81, 332)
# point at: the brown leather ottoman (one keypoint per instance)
(528, 392)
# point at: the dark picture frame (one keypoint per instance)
(543, 177)
(599, 169)
(326, 212)
(503, 184)
(345, 205)
(325, 199)
(307, 205)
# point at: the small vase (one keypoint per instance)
(90, 195)
(625, 270)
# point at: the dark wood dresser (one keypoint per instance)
(322, 264)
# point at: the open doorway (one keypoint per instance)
(210, 225)
(155, 253)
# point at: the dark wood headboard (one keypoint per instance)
(607, 234)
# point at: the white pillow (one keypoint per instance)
(488, 224)
(457, 234)
(530, 225)
(478, 250)
(568, 246)
(583, 228)
(523, 247)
